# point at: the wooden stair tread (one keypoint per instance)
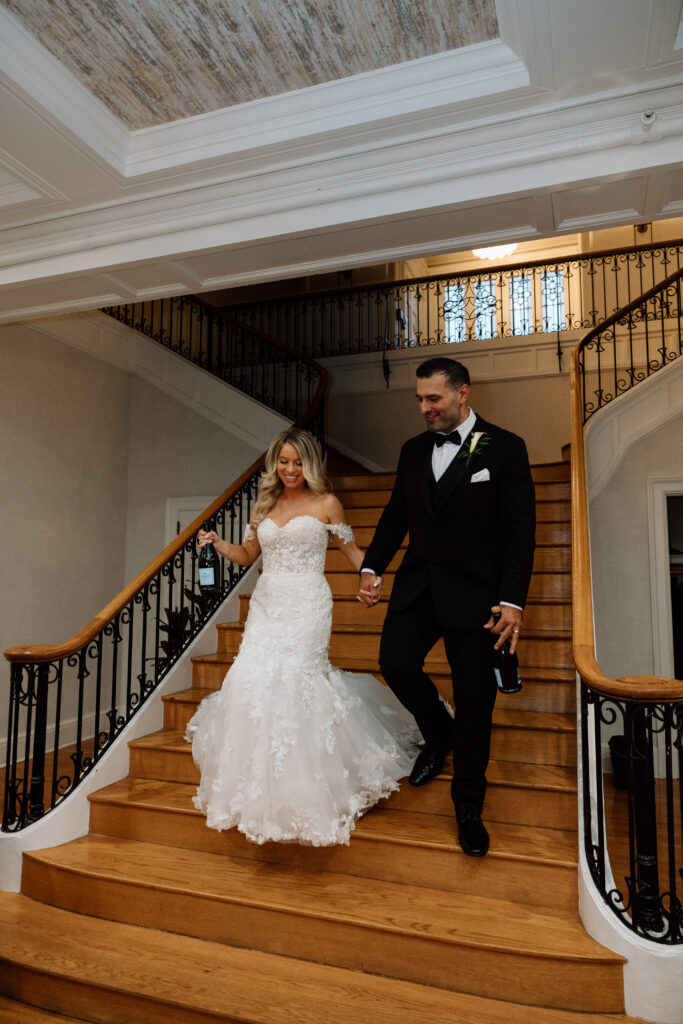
(540, 600)
(375, 630)
(480, 922)
(410, 828)
(171, 973)
(559, 778)
(13, 1012)
(542, 720)
(367, 664)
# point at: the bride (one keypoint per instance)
(291, 749)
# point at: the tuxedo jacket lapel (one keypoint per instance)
(425, 476)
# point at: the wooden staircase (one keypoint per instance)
(155, 918)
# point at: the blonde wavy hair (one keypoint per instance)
(271, 487)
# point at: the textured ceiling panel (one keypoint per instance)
(153, 61)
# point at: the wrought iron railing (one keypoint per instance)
(546, 296)
(239, 354)
(95, 682)
(640, 718)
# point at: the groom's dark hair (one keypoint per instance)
(455, 373)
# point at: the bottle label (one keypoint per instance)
(207, 577)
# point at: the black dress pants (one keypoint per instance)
(407, 637)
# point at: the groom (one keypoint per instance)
(464, 493)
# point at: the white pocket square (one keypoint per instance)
(483, 474)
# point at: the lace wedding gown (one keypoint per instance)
(292, 749)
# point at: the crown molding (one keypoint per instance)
(405, 90)
(416, 174)
(29, 67)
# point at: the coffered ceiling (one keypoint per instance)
(150, 61)
(151, 147)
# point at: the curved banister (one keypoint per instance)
(47, 653)
(650, 688)
(635, 722)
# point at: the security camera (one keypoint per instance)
(648, 118)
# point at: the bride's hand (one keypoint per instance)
(368, 589)
(205, 537)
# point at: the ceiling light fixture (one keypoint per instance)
(495, 252)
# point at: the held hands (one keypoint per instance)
(369, 588)
(508, 626)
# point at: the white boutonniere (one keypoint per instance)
(478, 441)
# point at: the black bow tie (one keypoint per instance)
(441, 439)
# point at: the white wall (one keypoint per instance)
(620, 551)
(173, 452)
(63, 486)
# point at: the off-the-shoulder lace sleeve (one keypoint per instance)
(249, 533)
(342, 530)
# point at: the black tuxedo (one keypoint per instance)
(471, 546)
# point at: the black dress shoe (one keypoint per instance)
(428, 763)
(472, 833)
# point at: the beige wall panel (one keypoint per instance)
(63, 486)
(173, 452)
(375, 425)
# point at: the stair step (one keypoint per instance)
(543, 689)
(540, 613)
(360, 481)
(546, 471)
(532, 865)
(554, 532)
(550, 558)
(526, 794)
(365, 498)
(547, 511)
(543, 584)
(124, 974)
(482, 945)
(361, 496)
(535, 738)
(540, 648)
(13, 1012)
(549, 472)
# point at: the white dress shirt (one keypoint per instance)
(443, 456)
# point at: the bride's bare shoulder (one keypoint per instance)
(331, 509)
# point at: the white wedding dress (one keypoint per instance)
(292, 749)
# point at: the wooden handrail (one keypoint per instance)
(652, 689)
(47, 652)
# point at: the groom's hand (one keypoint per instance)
(369, 588)
(508, 626)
